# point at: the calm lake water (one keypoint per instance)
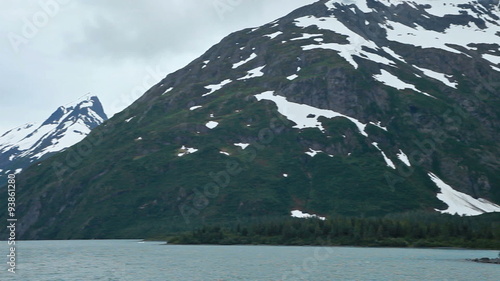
(134, 260)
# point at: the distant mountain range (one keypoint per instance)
(33, 142)
(356, 108)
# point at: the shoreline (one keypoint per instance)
(343, 246)
(486, 260)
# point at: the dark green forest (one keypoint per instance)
(402, 230)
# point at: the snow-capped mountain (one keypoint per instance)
(341, 107)
(30, 143)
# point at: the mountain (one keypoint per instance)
(361, 108)
(31, 143)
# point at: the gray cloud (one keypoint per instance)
(54, 51)
(145, 29)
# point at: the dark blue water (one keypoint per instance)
(132, 260)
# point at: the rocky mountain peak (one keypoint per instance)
(67, 125)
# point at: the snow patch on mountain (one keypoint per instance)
(211, 124)
(377, 58)
(404, 158)
(238, 64)
(302, 215)
(440, 8)
(215, 87)
(274, 35)
(347, 51)
(492, 58)
(242, 145)
(393, 54)
(184, 150)
(76, 132)
(12, 137)
(379, 125)
(253, 73)
(460, 203)
(195, 107)
(495, 68)
(299, 113)
(393, 81)
(361, 4)
(306, 36)
(386, 159)
(312, 152)
(461, 35)
(167, 90)
(438, 76)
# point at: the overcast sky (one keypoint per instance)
(54, 51)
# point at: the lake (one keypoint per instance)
(135, 260)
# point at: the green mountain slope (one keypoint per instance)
(174, 159)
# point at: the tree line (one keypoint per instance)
(403, 230)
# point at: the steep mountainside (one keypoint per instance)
(341, 107)
(31, 143)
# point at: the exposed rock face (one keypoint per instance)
(368, 107)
